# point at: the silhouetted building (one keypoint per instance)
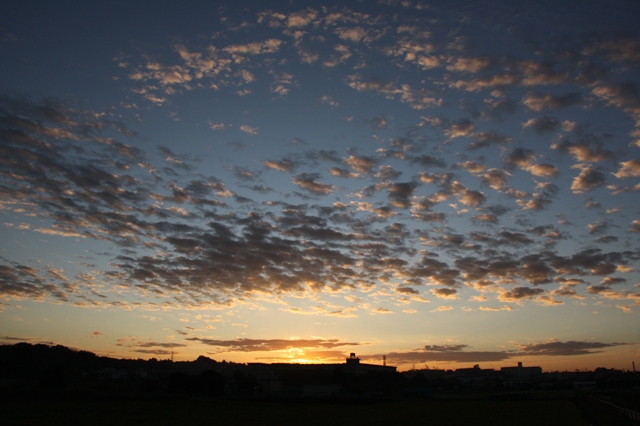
(476, 371)
(521, 372)
(354, 366)
(307, 380)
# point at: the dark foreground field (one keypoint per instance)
(223, 412)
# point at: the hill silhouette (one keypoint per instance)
(39, 370)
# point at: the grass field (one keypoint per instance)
(220, 412)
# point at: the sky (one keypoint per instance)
(442, 183)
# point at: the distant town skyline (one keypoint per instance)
(443, 184)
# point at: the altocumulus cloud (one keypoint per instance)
(423, 162)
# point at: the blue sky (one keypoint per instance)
(443, 184)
